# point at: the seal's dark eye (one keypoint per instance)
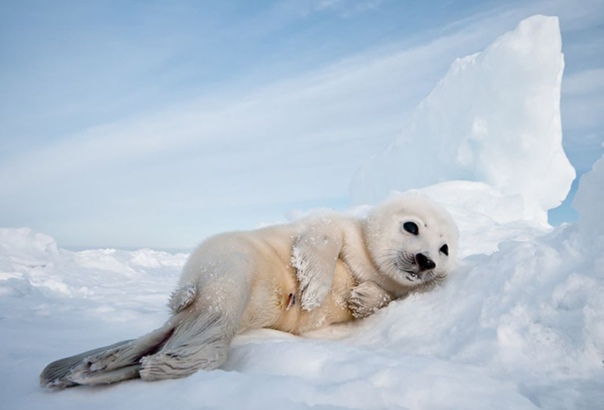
(445, 249)
(411, 227)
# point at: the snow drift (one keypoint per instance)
(494, 118)
(519, 327)
(519, 324)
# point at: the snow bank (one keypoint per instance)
(530, 312)
(520, 326)
(494, 118)
(32, 264)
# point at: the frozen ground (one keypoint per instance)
(519, 324)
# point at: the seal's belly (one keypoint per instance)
(275, 303)
(334, 310)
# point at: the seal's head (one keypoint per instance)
(411, 239)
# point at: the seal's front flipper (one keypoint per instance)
(314, 256)
(366, 298)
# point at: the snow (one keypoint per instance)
(519, 324)
(493, 118)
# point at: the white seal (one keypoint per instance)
(324, 269)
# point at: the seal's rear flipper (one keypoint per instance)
(57, 374)
(109, 364)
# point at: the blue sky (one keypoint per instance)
(157, 123)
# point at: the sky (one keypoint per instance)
(156, 124)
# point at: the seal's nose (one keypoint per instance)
(424, 262)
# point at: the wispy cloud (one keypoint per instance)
(294, 141)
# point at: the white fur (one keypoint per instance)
(295, 278)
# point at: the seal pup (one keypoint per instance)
(324, 269)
